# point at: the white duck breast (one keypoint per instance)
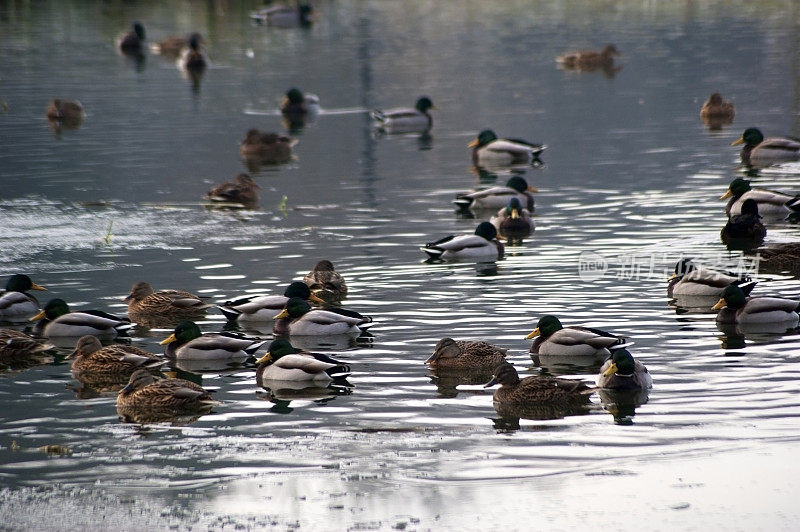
(298, 368)
(215, 347)
(497, 197)
(13, 304)
(464, 246)
(80, 324)
(573, 341)
(322, 322)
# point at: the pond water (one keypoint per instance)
(630, 174)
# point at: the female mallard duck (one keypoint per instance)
(146, 391)
(298, 318)
(15, 345)
(736, 308)
(285, 363)
(188, 343)
(780, 257)
(143, 300)
(536, 389)
(758, 151)
(513, 219)
(264, 308)
(589, 59)
(241, 190)
(57, 320)
(555, 339)
(285, 16)
(111, 361)
(15, 302)
(267, 148)
(488, 150)
(192, 58)
(746, 228)
(296, 104)
(326, 283)
(716, 109)
(406, 120)
(132, 41)
(173, 46)
(465, 354)
(622, 372)
(770, 203)
(69, 111)
(483, 244)
(692, 280)
(498, 197)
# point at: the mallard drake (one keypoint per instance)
(57, 320)
(735, 307)
(692, 280)
(622, 372)
(192, 58)
(264, 308)
(405, 120)
(15, 302)
(513, 219)
(16, 344)
(113, 360)
(498, 197)
(285, 363)
(465, 354)
(132, 41)
(268, 148)
(483, 244)
(770, 203)
(147, 391)
(241, 190)
(589, 59)
(143, 300)
(745, 228)
(189, 343)
(555, 339)
(536, 389)
(285, 16)
(298, 318)
(295, 103)
(64, 111)
(326, 283)
(489, 150)
(715, 108)
(173, 45)
(758, 151)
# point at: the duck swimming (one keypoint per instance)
(736, 308)
(132, 41)
(483, 244)
(513, 220)
(264, 308)
(622, 372)
(189, 343)
(499, 196)
(297, 318)
(241, 190)
(465, 355)
(758, 151)
(489, 150)
(692, 280)
(745, 229)
(285, 363)
(267, 148)
(587, 60)
(296, 104)
(15, 302)
(147, 391)
(114, 360)
(716, 111)
(552, 338)
(326, 283)
(770, 203)
(192, 58)
(57, 320)
(536, 389)
(405, 120)
(144, 300)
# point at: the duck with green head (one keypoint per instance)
(187, 342)
(57, 320)
(264, 308)
(283, 362)
(15, 302)
(298, 318)
(691, 279)
(770, 203)
(449, 354)
(552, 338)
(499, 196)
(622, 372)
(758, 151)
(736, 308)
(482, 245)
(132, 41)
(147, 391)
(490, 150)
(513, 220)
(192, 57)
(745, 229)
(404, 120)
(298, 104)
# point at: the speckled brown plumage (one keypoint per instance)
(326, 283)
(537, 389)
(146, 391)
(114, 362)
(465, 354)
(241, 190)
(177, 303)
(267, 148)
(16, 345)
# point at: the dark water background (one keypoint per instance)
(630, 173)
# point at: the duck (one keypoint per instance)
(513, 219)
(489, 150)
(147, 391)
(295, 103)
(498, 197)
(15, 345)
(555, 339)
(589, 59)
(70, 111)
(283, 362)
(690, 279)
(132, 41)
(57, 320)
(268, 148)
(285, 16)
(745, 228)
(405, 120)
(325, 282)
(780, 257)
(536, 389)
(241, 190)
(297, 318)
(483, 244)
(187, 342)
(264, 308)
(144, 300)
(15, 302)
(192, 58)
(758, 151)
(736, 308)
(465, 355)
(717, 109)
(770, 203)
(175, 44)
(622, 372)
(114, 360)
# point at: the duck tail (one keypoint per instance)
(463, 202)
(378, 115)
(341, 371)
(231, 314)
(746, 285)
(794, 203)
